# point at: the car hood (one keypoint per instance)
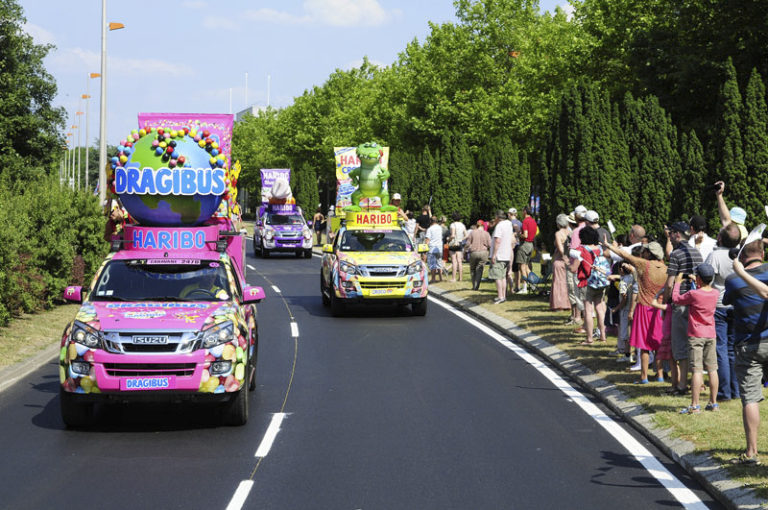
(184, 316)
(386, 257)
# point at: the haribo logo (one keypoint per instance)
(168, 239)
(164, 181)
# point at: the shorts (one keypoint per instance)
(433, 259)
(750, 358)
(457, 247)
(679, 332)
(702, 353)
(515, 265)
(594, 295)
(575, 293)
(498, 270)
(523, 253)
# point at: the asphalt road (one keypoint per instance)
(375, 410)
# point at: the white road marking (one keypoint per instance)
(684, 495)
(270, 435)
(238, 500)
(274, 287)
(251, 267)
(294, 330)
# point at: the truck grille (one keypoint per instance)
(149, 369)
(382, 284)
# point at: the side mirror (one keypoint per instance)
(73, 294)
(423, 248)
(327, 248)
(253, 294)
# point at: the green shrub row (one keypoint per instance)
(50, 237)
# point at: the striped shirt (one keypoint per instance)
(684, 260)
(750, 311)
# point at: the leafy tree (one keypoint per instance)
(755, 139)
(29, 125)
(305, 189)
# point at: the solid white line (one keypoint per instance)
(251, 267)
(294, 330)
(238, 500)
(270, 435)
(684, 495)
(274, 287)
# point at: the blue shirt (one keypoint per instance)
(750, 311)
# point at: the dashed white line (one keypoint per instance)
(294, 330)
(274, 287)
(251, 267)
(270, 435)
(655, 468)
(237, 501)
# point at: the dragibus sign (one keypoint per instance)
(166, 181)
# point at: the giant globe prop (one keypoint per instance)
(170, 177)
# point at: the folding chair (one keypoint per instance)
(537, 284)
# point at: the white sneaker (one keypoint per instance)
(634, 368)
(623, 359)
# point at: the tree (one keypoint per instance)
(755, 139)
(29, 126)
(690, 185)
(453, 186)
(305, 189)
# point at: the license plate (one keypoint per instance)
(381, 292)
(150, 340)
(165, 382)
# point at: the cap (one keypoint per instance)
(396, 196)
(655, 249)
(738, 215)
(580, 210)
(572, 219)
(591, 216)
(679, 226)
(512, 210)
(705, 271)
(698, 222)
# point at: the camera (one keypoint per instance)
(712, 188)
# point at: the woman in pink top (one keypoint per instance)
(701, 303)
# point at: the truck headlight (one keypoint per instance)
(414, 268)
(217, 334)
(86, 335)
(307, 233)
(269, 234)
(346, 267)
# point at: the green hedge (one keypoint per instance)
(50, 237)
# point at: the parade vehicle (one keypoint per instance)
(282, 228)
(372, 260)
(168, 316)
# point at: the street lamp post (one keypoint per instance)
(103, 115)
(74, 171)
(79, 150)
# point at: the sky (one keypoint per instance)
(192, 56)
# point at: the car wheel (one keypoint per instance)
(264, 251)
(419, 308)
(308, 254)
(337, 307)
(299, 254)
(326, 299)
(236, 410)
(74, 412)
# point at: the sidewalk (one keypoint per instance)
(702, 467)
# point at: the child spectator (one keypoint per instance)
(701, 303)
(627, 291)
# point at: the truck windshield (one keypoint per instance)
(143, 280)
(284, 219)
(375, 240)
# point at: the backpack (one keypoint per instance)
(601, 268)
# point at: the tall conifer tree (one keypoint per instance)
(755, 132)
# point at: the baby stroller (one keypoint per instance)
(539, 284)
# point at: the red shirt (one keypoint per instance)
(701, 310)
(529, 225)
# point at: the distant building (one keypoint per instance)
(252, 110)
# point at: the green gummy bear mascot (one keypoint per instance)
(369, 178)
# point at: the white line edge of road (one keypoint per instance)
(251, 267)
(241, 494)
(276, 289)
(294, 330)
(683, 494)
(270, 435)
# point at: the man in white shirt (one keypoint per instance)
(503, 236)
(434, 238)
(699, 238)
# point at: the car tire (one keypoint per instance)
(307, 254)
(74, 412)
(419, 308)
(326, 299)
(235, 412)
(252, 360)
(337, 306)
(264, 252)
(299, 254)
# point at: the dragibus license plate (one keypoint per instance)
(163, 382)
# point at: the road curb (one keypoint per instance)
(13, 373)
(701, 466)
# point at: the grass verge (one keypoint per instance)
(721, 434)
(29, 334)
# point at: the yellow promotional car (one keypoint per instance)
(373, 260)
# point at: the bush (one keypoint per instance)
(43, 230)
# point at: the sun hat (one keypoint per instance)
(738, 215)
(580, 210)
(591, 216)
(396, 196)
(512, 210)
(655, 249)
